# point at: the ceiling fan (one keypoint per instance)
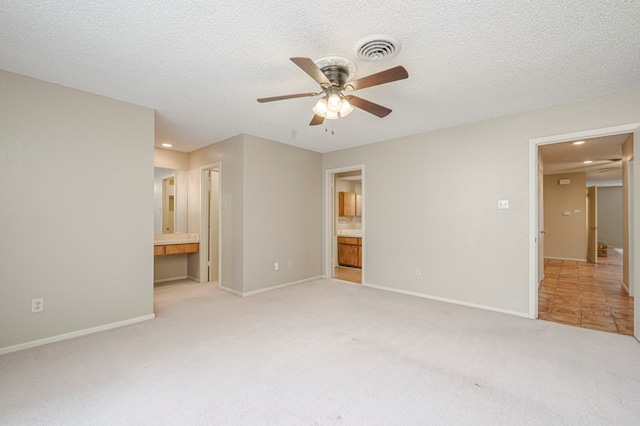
(332, 74)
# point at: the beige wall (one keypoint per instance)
(469, 251)
(229, 153)
(170, 159)
(565, 236)
(610, 216)
(282, 213)
(77, 211)
(271, 211)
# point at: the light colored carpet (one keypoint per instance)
(324, 353)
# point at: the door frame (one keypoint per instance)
(634, 243)
(329, 240)
(204, 222)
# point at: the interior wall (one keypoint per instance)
(282, 213)
(449, 212)
(565, 235)
(229, 153)
(77, 210)
(610, 216)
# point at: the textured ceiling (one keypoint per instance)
(202, 64)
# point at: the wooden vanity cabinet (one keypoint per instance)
(169, 249)
(349, 204)
(350, 252)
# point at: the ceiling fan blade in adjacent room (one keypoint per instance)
(307, 65)
(368, 106)
(316, 120)
(382, 77)
(280, 98)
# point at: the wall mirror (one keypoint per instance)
(169, 200)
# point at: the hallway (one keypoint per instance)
(586, 295)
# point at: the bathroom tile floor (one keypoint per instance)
(586, 295)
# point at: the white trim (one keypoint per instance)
(444, 299)
(275, 287)
(230, 290)
(534, 143)
(164, 280)
(74, 334)
(573, 259)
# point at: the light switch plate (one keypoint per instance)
(503, 204)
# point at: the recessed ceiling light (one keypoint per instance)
(588, 162)
(167, 145)
(578, 142)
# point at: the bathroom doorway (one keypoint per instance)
(344, 200)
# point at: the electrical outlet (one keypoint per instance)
(37, 305)
(276, 266)
(418, 271)
(290, 264)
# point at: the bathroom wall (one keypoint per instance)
(77, 212)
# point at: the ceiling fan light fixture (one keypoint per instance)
(330, 115)
(334, 102)
(345, 108)
(321, 107)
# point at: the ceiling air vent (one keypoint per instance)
(378, 47)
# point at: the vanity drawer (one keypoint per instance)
(181, 248)
(158, 250)
(349, 240)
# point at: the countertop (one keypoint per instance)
(177, 238)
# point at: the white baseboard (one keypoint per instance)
(275, 287)
(74, 334)
(262, 290)
(232, 291)
(164, 280)
(566, 258)
(444, 299)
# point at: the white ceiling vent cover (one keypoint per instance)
(378, 47)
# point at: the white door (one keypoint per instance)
(213, 225)
(592, 224)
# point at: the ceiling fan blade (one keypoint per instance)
(316, 120)
(279, 98)
(382, 77)
(368, 106)
(307, 65)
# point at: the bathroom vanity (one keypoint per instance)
(171, 253)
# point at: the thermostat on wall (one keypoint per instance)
(564, 181)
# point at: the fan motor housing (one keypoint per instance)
(336, 74)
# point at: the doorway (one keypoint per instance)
(536, 257)
(344, 224)
(210, 224)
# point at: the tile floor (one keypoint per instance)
(586, 295)
(348, 274)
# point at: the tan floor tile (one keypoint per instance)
(586, 294)
(565, 319)
(596, 318)
(602, 327)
